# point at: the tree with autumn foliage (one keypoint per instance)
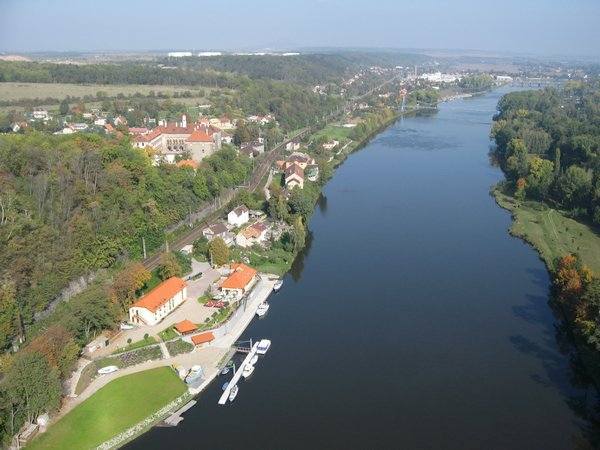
(59, 348)
(127, 284)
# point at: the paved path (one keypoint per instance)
(208, 357)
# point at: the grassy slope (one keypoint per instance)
(551, 233)
(114, 408)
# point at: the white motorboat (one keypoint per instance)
(262, 309)
(225, 370)
(277, 285)
(254, 359)
(248, 370)
(233, 393)
(108, 369)
(263, 346)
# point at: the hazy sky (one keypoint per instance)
(568, 27)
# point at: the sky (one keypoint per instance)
(543, 27)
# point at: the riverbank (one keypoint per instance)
(550, 232)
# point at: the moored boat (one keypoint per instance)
(233, 393)
(248, 370)
(263, 346)
(254, 359)
(277, 285)
(225, 385)
(262, 309)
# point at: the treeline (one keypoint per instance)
(72, 205)
(125, 73)
(476, 82)
(548, 144)
(292, 105)
(306, 68)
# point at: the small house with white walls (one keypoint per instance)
(238, 216)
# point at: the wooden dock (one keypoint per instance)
(237, 375)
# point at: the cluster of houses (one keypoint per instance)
(161, 301)
(296, 167)
(243, 228)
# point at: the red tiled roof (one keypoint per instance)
(240, 278)
(161, 294)
(203, 338)
(199, 136)
(185, 326)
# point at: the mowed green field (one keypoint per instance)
(17, 91)
(334, 131)
(114, 408)
(551, 233)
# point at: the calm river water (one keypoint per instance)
(413, 320)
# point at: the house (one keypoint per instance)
(40, 114)
(215, 230)
(203, 338)
(238, 216)
(293, 145)
(222, 123)
(101, 122)
(226, 138)
(241, 280)
(253, 234)
(185, 327)
(108, 128)
(159, 302)
(301, 159)
(330, 145)
(294, 176)
(187, 249)
(253, 148)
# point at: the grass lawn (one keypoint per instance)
(113, 409)
(551, 233)
(334, 131)
(138, 344)
(167, 334)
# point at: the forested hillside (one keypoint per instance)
(72, 205)
(548, 143)
(305, 68)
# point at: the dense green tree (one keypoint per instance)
(32, 386)
(64, 108)
(218, 251)
(169, 267)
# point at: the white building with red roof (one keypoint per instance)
(177, 139)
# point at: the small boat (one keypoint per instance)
(233, 393)
(254, 359)
(225, 370)
(108, 369)
(277, 285)
(263, 346)
(262, 309)
(248, 370)
(225, 385)
(196, 373)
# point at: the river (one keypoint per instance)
(412, 320)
